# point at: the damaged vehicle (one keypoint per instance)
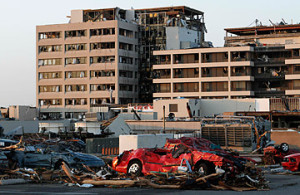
(51, 159)
(184, 154)
(291, 162)
(275, 154)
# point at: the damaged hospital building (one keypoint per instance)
(117, 56)
(106, 56)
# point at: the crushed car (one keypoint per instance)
(46, 155)
(192, 154)
(291, 162)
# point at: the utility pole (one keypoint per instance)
(164, 118)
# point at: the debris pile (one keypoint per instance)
(53, 161)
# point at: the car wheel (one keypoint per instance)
(202, 169)
(284, 147)
(134, 168)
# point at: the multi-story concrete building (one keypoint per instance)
(260, 62)
(91, 60)
(204, 73)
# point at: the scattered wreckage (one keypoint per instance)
(230, 173)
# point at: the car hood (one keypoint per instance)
(86, 157)
(292, 155)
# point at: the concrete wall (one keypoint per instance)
(23, 113)
(181, 104)
(28, 126)
(211, 107)
(132, 142)
(156, 126)
(290, 137)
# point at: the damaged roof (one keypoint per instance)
(179, 9)
(292, 28)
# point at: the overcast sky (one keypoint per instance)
(18, 19)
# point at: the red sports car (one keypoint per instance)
(291, 162)
(196, 154)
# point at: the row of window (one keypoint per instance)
(205, 57)
(83, 74)
(73, 101)
(83, 46)
(82, 87)
(83, 33)
(206, 87)
(206, 72)
(83, 60)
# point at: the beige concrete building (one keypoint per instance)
(258, 62)
(204, 73)
(90, 61)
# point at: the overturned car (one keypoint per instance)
(50, 157)
(188, 154)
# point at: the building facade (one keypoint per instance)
(256, 62)
(88, 62)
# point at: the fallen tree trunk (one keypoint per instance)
(153, 185)
(109, 182)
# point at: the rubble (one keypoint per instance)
(250, 178)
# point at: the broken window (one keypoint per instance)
(49, 102)
(241, 71)
(75, 101)
(102, 87)
(49, 35)
(72, 88)
(75, 60)
(162, 74)
(124, 87)
(75, 74)
(215, 72)
(103, 45)
(102, 59)
(186, 58)
(126, 60)
(186, 87)
(214, 86)
(240, 86)
(50, 48)
(49, 88)
(102, 73)
(125, 73)
(126, 33)
(99, 101)
(75, 33)
(240, 56)
(163, 59)
(48, 62)
(126, 46)
(75, 47)
(102, 31)
(49, 75)
(186, 72)
(215, 57)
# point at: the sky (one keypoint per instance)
(19, 18)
